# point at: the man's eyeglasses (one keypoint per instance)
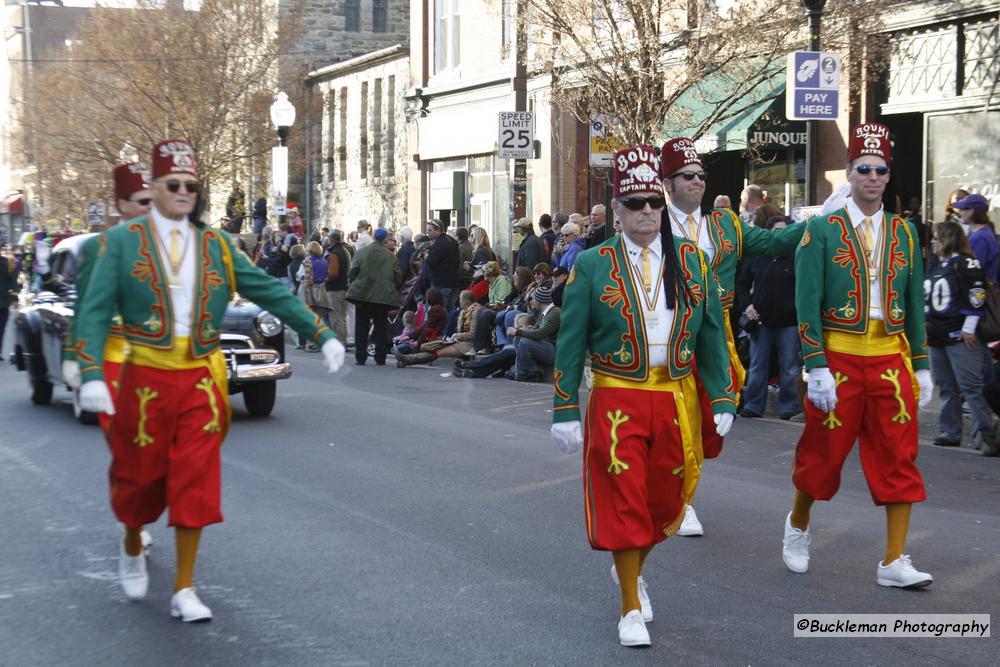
(145, 201)
(189, 186)
(865, 169)
(639, 203)
(691, 175)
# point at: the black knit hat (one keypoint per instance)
(542, 294)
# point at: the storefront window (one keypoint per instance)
(783, 179)
(962, 153)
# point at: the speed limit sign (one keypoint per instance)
(516, 135)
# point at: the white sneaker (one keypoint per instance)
(690, 526)
(186, 606)
(902, 574)
(795, 547)
(132, 573)
(147, 541)
(644, 603)
(632, 630)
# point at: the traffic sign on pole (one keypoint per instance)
(812, 91)
(603, 144)
(516, 135)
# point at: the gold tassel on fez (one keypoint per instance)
(145, 394)
(617, 419)
(831, 421)
(206, 385)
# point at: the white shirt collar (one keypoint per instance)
(680, 216)
(857, 217)
(635, 250)
(165, 225)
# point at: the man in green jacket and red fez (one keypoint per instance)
(170, 278)
(725, 241)
(860, 302)
(643, 305)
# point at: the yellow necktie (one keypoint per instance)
(692, 232)
(869, 240)
(647, 269)
(175, 250)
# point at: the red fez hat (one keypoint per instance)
(292, 206)
(129, 179)
(636, 169)
(677, 154)
(173, 156)
(870, 139)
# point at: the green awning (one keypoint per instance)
(704, 98)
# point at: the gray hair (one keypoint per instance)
(405, 234)
(559, 218)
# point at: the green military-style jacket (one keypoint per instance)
(602, 313)
(832, 290)
(128, 278)
(733, 242)
(85, 265)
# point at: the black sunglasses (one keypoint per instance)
(145, 201)
(865, 169)
(189, 186)
(691, 175)
(639, 203)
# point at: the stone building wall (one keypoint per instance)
(325, 32)
(362, 173)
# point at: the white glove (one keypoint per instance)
(926, 387)
(71, 373)
(723, 422)
(95, 397)
(333, 355)
(567, 436)
(822, 389)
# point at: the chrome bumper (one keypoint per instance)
(253, 364)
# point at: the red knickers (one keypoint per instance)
(165, 441)
(633, 466)
(876, 401)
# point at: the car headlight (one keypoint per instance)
(267, 324)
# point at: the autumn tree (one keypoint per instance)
(648, 64)
(137, 75)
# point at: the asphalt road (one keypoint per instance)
(398, 517)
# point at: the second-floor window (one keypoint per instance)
(352, 15)
(447, 28)
(380, 15)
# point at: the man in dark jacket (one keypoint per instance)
(338, 264)
(765, 289)
(547, 236)
(373, 284)
(598, 231)
(532, 251)
(465, 254)
(405, 252)
(443, 263)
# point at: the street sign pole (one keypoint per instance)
(519, 184)
(815, 10)
(812, 93)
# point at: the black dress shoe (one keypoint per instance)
(787, 415)
(942, 441)
(749, 414)
(359, 362)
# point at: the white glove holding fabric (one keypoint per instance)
(567, 436)
(723, 422)
(822, 389)
(95, 397)
(926, 387)
(71, 373)
(333, 355)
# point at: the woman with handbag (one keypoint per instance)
(954, 294)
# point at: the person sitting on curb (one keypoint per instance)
(536, 346)
(455, 346)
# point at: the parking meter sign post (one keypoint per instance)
(516, 135)
(813, 86)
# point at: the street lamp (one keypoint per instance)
(814, 10)
(283, 116)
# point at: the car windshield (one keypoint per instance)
(63, 264)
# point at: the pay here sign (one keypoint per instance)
(812, 90)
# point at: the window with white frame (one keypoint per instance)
(447, 31)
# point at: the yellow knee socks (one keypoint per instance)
(133, 541)
(628, 563)
(187, 554)
(800, 510)
(897, 525)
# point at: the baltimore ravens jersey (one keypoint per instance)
(953, 290)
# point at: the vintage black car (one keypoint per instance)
(253, 340)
